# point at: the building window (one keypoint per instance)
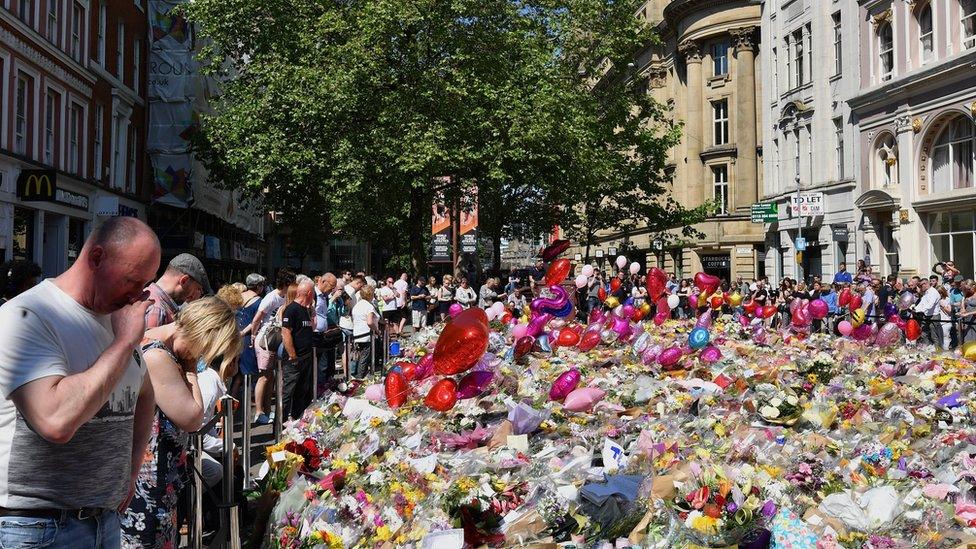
(925, 34)
(787, 49)
(839, 146)
(774, 180)
(720, 189)
(21, 122)
(720, 116)
(53, 7)
(796, 156)
(136, 60)
(77, 21)
(25, 11)
(99, 124)
(120, 54)
(809, 144)
(101, 35)
(886, 48)
(968, 23)
(130, 185)
(720, 58)
(50, 119)
(953, 236)
(952, 157)
(74, 131)
(838, 45)
(886, 158)
(798, 58)
(775, 78)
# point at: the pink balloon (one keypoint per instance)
(669, 357)
(888, 335)
(596, 316)
(587, 270)
(621, 326)
(621, 262)
(566, 383)
(634, 268)
(795, 304)
(711, 354)
(375, 392)
(862, 332)
(818, 309)
(627, 310)
(474, 383)
(650, 354)
(455, 309)
(581, 281)
(582, 400)
(538, 324)
(425, 368)
(845, 328)
(704, 320)
(661, 316)
(519, 330)
(801, 318)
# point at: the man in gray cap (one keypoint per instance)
(184, 280)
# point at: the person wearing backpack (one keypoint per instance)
(266, 344)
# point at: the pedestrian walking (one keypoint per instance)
(76, 410)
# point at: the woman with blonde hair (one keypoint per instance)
(365, 323)
(231, 295)
(205, 331)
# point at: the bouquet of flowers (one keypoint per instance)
(808, 475)
(720, 506)
(478, 505)
(778, 406)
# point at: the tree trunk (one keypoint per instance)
(416, 227)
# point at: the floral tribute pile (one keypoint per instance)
(789, 439)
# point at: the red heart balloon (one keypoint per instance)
(768, 311)
(638, 315)
(557, 271)
(396, 389)
(749, 307)
(507, 317)
(553, 250)
(716, 302)
(844, 299)
(601, 294)
(707, 283)
(462, 343)
(614, 284)
(856, 302)
(442, 396)
(912, 329)
(523, 346)
(568, 337)
(657, 281)
(590, 340)
(409, 370)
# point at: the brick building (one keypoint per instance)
(72, 123)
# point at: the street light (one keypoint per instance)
(599, 257)
(578, 257)
(613, 251)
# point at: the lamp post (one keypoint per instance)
(600, 258)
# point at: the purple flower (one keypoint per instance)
(769, 509)
(731, 507)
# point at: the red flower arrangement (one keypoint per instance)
(311, 454)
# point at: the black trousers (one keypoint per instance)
(296, 389)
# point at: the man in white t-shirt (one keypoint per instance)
(75, 407)
(402, 288)
(352, 290)
(262, 321)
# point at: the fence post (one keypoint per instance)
(346, 355)
(197, 487)
(386, 349)
(246, 436)
(315, 373)
(279, 398)
(228, 505)
(372, 353)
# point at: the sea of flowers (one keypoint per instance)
(785, 440)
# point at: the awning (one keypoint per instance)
(877, 200)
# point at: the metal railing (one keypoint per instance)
(229, 533)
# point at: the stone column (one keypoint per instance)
(693, 135)
(746, 183)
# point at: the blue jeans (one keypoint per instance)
(69, 532)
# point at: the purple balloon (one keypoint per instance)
(455, 309)
(566, 383)
(711, 354)
(862, 332)
(650, 354)
(818, 309)
(551, 305)
(890, 309)
(538, 324)
(704, 320)
(628, 310)
(669, 356)
(888, 335)
(621, 326)
(474, 383)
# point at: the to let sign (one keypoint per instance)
(807, 204)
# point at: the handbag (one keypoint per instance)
(270, 336)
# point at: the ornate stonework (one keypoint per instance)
(881, 18)
(917, 125)
(657, 77)
(691, 51)
(744, 38)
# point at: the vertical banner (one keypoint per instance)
(469, 223)
(440, 228)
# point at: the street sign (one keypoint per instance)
(840, 233)
(801, 244)
(807, 204)
(764, 212)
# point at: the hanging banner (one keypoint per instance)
(170, 127)
(171, 179)
(168, 29)
(440, 228)
(469, 223)
(171, 75)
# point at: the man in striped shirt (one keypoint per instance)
(184, 280)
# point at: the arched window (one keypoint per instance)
(968, 23)
(952, 157)
(925, 35)
(886, 48)
(886, 172)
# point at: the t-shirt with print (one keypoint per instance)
(296, 318)
(47, 333)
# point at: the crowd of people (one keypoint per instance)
(105, 372)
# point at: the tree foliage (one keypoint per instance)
(352, 107)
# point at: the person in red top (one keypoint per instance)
(184, 280)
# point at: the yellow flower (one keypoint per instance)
(375, 422)
(383, 533)
(704, 524)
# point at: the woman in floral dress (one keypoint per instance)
(204, 331)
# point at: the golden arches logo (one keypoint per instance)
(37, 185)
(39, 181)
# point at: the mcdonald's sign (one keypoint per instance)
(37, 185)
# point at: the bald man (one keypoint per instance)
(76, 409)
(297, 338)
